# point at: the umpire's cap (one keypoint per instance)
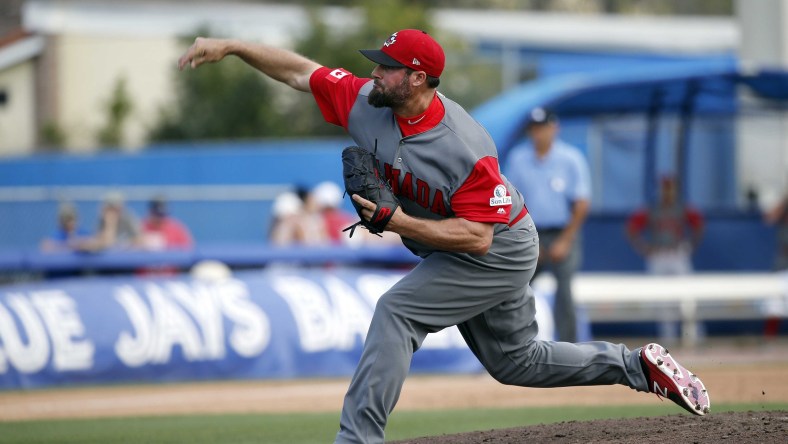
(411, 48)
(541, 116)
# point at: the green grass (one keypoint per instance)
(311, 428)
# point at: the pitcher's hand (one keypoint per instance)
(204, 50)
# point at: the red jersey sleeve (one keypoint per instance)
(483, 197)
(335, 91)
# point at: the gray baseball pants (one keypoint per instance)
(490, 301)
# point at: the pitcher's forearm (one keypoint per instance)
(279, 64)
(453, 234)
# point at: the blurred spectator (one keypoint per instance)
(777, 215)
(117, 227)
(311, 218)
(160, 231)
(327, 198)
(554, 179)
(775, 311)
(666, 234)
(315, 217)
(69, 236)
(289, 226)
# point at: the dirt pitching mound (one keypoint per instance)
(739, 428)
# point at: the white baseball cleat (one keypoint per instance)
(668, 379)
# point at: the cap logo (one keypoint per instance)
(411, 48)
(391, 40)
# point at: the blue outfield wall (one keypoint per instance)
(732, 241)
(31, 186)
(736, 241)
(278, 323)
(301, 161)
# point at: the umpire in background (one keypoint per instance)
(554, 179)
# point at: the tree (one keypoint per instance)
(118, 108)
(220, 101)
(230, 100)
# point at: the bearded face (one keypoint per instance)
(391, 97)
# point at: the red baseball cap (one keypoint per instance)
(410, 48)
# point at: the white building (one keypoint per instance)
(62, 72)
(18, 55)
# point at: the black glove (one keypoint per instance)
(361, 175)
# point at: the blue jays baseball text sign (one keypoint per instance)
(283, 323)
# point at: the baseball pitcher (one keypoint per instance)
(452, 206)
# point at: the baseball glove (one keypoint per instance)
(361, 175)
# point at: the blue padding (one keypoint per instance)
(234, 255)
(283, 323)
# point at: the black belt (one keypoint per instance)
(549, 230)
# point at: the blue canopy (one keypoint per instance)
(702, 87)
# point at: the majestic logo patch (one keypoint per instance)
(499, 197)
(391, 40)
(337, 75)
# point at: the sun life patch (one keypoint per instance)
(499, 197)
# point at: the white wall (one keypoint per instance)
(764, 37)
(762, 145)
(88, 68)
(17, 115)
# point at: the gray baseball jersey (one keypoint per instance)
(426, 179)
(451, 170)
